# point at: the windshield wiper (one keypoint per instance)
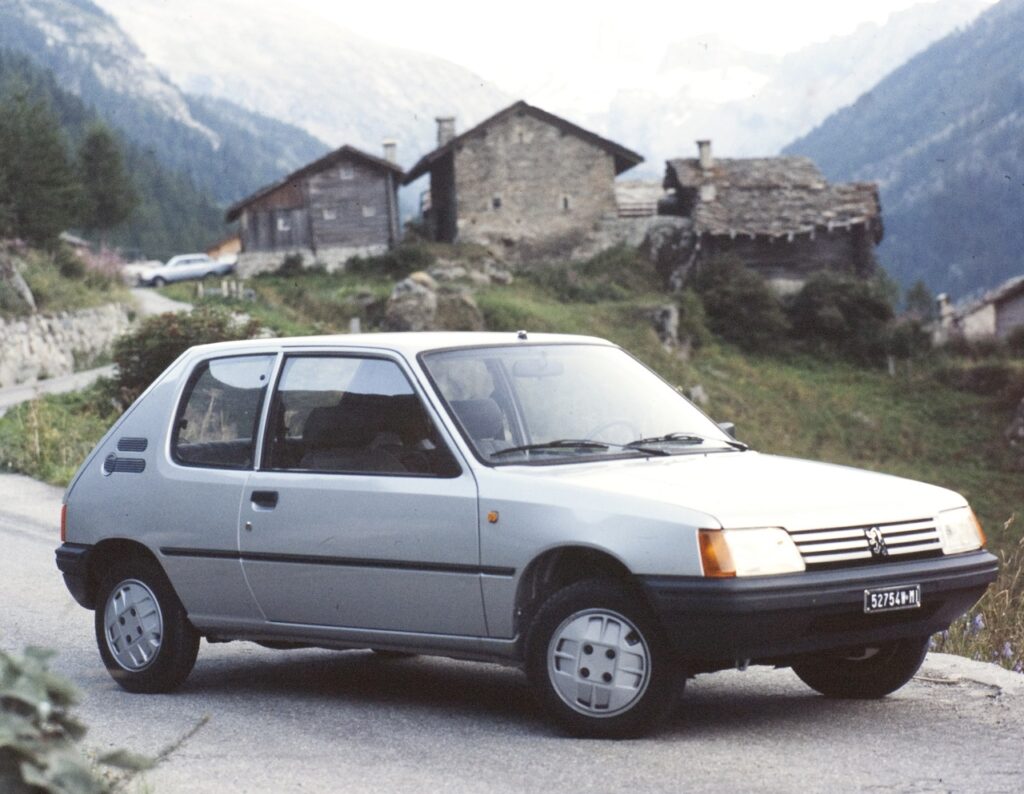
(685, 438)
(576, 443)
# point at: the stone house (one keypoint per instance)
(994, 316)
(343, 205)
(521, 176)
(779, 215)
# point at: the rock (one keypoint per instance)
(478, 279)
(666, 324)
(458, 312)
(14, 282)
(412, 305)
(450, 273)
(698, 395)
(500, 276)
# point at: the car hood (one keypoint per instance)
(746, 489)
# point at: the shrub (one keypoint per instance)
(397, 263)
(908, 339)
(144, 353)
(290, 266)
(692, 319)
(1015, 342)
(611, 275)
(741, 307)
(38, 736)
(842, 315)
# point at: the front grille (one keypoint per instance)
(844, 546)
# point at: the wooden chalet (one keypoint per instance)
(342, 205)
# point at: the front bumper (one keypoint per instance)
(774, 618)
(73, 562)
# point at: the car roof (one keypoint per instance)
(409, 343)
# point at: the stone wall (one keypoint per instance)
(46, 346)
(526, 179)
(250, 263)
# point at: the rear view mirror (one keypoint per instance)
(538, 367)
(729, 428)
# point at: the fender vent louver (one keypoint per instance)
(128, 444)
(123, 465)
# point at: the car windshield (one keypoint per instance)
(567, 403)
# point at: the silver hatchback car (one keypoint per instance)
(539, 500)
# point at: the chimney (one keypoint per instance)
(445, 129)
(706, 160)
(391, 151)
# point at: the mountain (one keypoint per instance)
(339, 86)
(749, 103)
(942, 135)
(224, 150)
(171, 215)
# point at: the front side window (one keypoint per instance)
(345, 414)
(566, 403)
(216, 422)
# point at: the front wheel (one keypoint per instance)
(145, 638)
(872, 672)
(159, 282)
(598, 662)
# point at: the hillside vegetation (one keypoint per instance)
(938, 418)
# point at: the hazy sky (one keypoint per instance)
(515, 43)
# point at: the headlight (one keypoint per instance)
(748, 552)
(959, 531)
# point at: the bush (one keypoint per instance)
(612, 275)
(397, 263)
(144, 353)
(290, 266)
(1015, 342)
(909, 339)
(38, 736)
(741, 307)
(692, 320)
(842, 315)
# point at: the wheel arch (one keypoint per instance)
(559, 567)
(110, 551)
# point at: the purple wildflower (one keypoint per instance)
(1019, 667)
(978, 623)
(1007, 650)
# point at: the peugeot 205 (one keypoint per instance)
(537, 500)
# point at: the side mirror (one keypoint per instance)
(729, 428)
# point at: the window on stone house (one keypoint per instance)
(347, 172)
(566, 203)
(369, 210)
(496, 203)
(330, 214)
(283, 224)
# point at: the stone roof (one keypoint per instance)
(1008, 290)
(624, 158)
(327, 161)
(771, 196)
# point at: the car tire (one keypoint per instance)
(144, 636)
(597, 660)
(159, 282)
(874, 673)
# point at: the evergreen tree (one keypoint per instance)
(39, 185)
(108, 195)
(920, 302)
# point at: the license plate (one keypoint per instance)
(887, 599)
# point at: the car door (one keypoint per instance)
(360, 515)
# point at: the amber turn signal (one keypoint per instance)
(714, 554)
(977, 526)
(63, 523)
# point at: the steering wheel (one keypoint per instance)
(634, 432)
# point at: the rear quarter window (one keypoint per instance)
(216, 421)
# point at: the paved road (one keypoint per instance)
(250, 719)
(147, 302)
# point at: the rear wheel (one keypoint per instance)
(158, 282)
(145, 639)
(872, 672)
(598, 662)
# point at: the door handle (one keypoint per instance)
(265, 499)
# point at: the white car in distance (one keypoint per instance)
(178, 268)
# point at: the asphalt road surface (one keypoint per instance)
(251, 720)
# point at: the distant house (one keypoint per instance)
(522, 175)
(225, 249)
(777, 214)
(342, 205)
(994, 316)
